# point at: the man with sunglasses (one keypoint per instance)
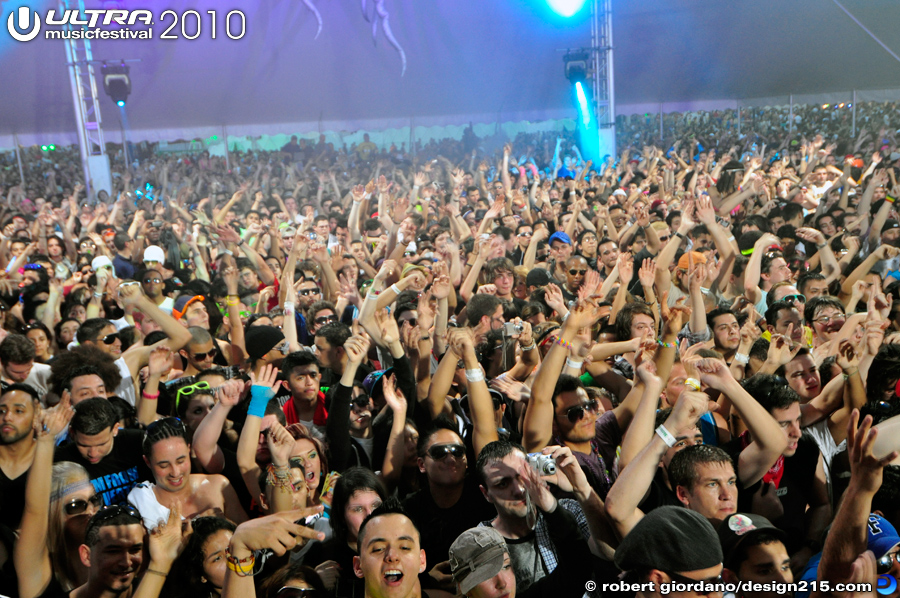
(765, 269)
(154, 286)
(102, 334)
(111, 456)
(200, 353)
(320, 314)
(576, 271)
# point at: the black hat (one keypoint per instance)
(889, 224)
(261, 339)
(671, 539)
(538, 277)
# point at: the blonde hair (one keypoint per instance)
(66, 479)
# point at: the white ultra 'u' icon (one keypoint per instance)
(21, 24)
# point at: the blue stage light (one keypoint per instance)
(565, 8)
(583, 106)
(120, 103)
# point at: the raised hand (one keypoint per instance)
(356, 347)
(268, 378)
(160, 360)
(387, 326)
(393, 396)
(647, 273)
(169, 538)
(280, 443)
(229, 394)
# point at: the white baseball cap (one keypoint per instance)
(154, 254)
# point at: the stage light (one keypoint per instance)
(583, 106)
(44, 148)
(565, 8)
(52, 148)
(576, 65)
(116, 82)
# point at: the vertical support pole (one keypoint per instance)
(791, 121)
(660, 121)
(227, 152)
(853, 127)
(739, 117)
(19, 160)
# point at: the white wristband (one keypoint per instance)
(572, 364)
(396, 289)
(742, 358)
(289, 308)
(666, 436)
(475, 375)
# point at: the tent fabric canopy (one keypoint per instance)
(466, 60)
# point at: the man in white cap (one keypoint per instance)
(155, 259)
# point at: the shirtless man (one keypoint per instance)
(168, 455)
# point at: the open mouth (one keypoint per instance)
(176, 482)
(393, 577)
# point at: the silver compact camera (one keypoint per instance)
(543, 464)
(511, 328)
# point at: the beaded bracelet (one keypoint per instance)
(280, 478)
(672, 345)
(562, 342)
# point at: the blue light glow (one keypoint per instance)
(583, 106)
(120, 103)
(565, 8)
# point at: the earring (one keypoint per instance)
(203, 579)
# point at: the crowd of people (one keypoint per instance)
(354, 372)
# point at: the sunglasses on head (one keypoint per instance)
(325, 319)
(576, 413)
(187, 391)
(111, 512)
(153, 430)
(294, 592)
(439, 451)
(79, 505)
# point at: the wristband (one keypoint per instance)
(155, 572)
(672, 345)
(679, 235)
(693, 383)
(529, 347)
(575, 365)
(475, 375)
(289, 308)
(396, 289)
(243, 567)
(889, 199)
(148, 396)
(742, 358)
(666, 436)
(232, 302)
(562, 342)
(259, 399)
(851, 372)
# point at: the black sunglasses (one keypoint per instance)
(111, 512)
(439, 451)
(293, 592)
(208, 355)
(79, 505)
(326, 319)
(411, 321)
(575, 272)
(110, 338)
(574, 414)
(152, 280)
(306, 292)
(166, 422)
(361, 402)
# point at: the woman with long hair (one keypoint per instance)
(59, 502)
(199, 571)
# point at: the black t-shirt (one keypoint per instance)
(117, 473)
(440, 527)
(337, 550)
(12, 499)
(659, 495)
(795, 489)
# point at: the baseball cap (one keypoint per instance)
(408, 268)
(101, 261)
(154, 253)
(684, 260)
(882, 536)
(738, 528)
(889, 224)
(182, 303)
(559, 236)
(476, 556)
(670, 539)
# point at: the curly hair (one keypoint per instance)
(81, 361)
